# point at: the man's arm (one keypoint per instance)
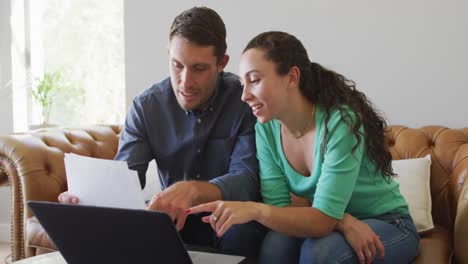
(133, 144)
(241, 183)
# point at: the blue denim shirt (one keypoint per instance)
(216, 144)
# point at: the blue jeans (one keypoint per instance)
(397, 233)
(243, 240)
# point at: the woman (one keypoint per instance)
(321, 139)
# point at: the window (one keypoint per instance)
(83, 41)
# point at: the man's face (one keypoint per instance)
(193, 69)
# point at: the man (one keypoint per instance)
(200, 133)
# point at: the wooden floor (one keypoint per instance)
(5, 250)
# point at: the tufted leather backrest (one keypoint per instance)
(39, 156)
(449, 167)
(33, 164)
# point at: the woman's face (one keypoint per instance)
(264, 88)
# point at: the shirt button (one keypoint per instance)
(198, 150)
(199, 120)
(211, 108)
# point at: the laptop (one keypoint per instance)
(91, 234)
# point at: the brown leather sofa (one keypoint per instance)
(32, 164)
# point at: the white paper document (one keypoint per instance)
(101, 182)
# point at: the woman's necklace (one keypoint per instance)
(301, 134)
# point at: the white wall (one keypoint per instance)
(6, 109)
(409, 57)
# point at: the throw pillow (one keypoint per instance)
(413, 175)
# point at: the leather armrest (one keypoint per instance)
(461, 221)
(436, 247)
(37, 236)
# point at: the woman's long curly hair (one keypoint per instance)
(329, 89)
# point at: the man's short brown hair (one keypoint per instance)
(202, 26)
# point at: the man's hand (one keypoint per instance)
(362, 239)
(182, 195)
(67, 198)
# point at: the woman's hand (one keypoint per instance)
(225, 214)
(362, 239)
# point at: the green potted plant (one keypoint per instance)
(44, 92)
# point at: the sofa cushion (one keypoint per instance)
(414, 178)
